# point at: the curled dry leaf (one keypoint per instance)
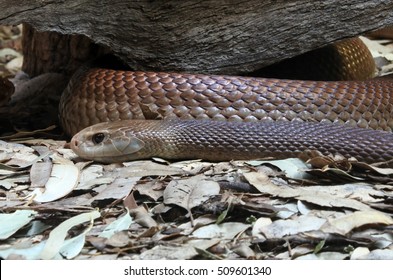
(121, 223)
(292, 167)
(142, 217)
(29, 252)
(73, 246)
(244, 250)
(57, 236)
(64, 178)
(11, 223)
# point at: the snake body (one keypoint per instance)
(108, 95)
(97, 95)
(216, 141)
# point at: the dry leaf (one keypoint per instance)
(64, 178)
(324, 256)
(260, 223)
(222, 231)
(142, 217)
(144, 168)
(57, 236)
(378, 254)
(121, 223)
(153, 189)
(40, 173)
(292, 167)
(118, 189)
(189, 227)
(281, 228)
(359, 252)
(344, 225)
(188, 193)
(317, 195)
(118, 239)
(27, 251)
(11, 223)
(182, 252)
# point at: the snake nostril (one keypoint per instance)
(75, 143)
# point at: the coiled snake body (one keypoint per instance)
(99, 95)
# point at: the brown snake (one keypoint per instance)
(218, 141)
(98, 95)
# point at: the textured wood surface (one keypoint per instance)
(228, 37)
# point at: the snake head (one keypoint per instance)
(106, 142)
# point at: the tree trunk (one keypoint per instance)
(228, 37)
(53, 52)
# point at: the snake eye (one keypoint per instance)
(98, 138)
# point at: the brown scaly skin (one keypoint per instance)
(221, 141)
(98, 95)
(344, 60)
(107, 95)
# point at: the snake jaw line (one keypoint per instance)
(124, 146)
(106, 145)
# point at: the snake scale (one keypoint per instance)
(96, 95)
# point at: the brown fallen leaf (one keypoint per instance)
(317, 195)
(142, 217)
(188, 193)
(184, 251)
(142, 168)
(63, 179)
(118, 189)
(281, 228)
(40, 173)
(221, 231)
(343, 225)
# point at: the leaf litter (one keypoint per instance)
(149, 209)
(64, 208)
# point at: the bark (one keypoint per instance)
(53, 52)
(218, 36)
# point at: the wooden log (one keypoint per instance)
(48, 51)
(216, 36)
